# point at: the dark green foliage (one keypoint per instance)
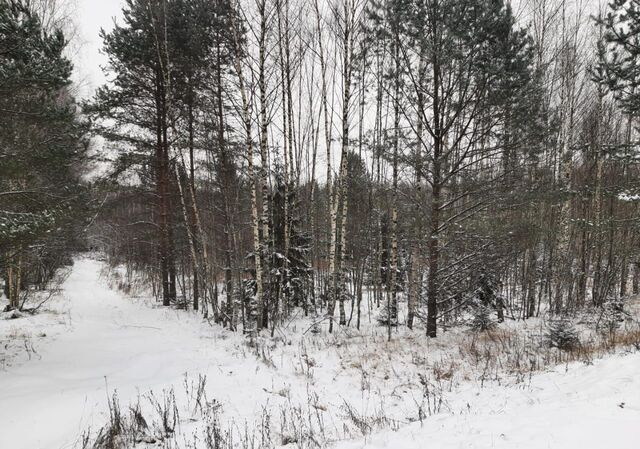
(618, 67)
(42, 147)
(194, 31)
(612, 316)
(482, 320)
(32, 63)
(485, 303)
(161, 63)
(488, 286)
(291, 270)
(563, 335)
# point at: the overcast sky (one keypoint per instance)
(91, 15)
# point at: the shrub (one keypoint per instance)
(482, 320)
(563, 335)
(611, 316)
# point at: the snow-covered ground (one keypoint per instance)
(579, 407)
(356, 385)
(111, 343)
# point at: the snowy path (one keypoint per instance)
(47, 403)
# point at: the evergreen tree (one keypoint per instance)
(158, 59)
(136, 105)
(42, 148)
(291, 272)
(464, 67)
(619, 52)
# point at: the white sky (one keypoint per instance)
(90, 17)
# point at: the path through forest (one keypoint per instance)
(47, 402)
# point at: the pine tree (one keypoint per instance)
(137, 104)
(42, 148)
(486, 302)
(466, 64)
(619, 52)
(158, 59)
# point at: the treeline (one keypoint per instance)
(43, 149)
(284, 155)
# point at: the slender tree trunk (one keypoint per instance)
(190, 237)
(263, 312)
(341, 256)
(192, 187)
(327, 123)
(253, 312)
(415, 266)
(161, 189)
(393, 310)
(433, 246)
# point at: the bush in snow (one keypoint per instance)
(383, 315)
(563, 335)
(482, 320)
(612, 316)
(486, 302)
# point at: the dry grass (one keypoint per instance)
(386, 383)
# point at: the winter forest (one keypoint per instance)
(320, 224)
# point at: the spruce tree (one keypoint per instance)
(291, 272)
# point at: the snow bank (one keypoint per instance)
(586, 407)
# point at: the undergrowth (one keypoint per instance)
(400, 381)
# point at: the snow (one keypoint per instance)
(583, 407)
(99, 341)
(626, 196)
(128, 346)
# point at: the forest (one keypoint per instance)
(398, 170)
(304, 153)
